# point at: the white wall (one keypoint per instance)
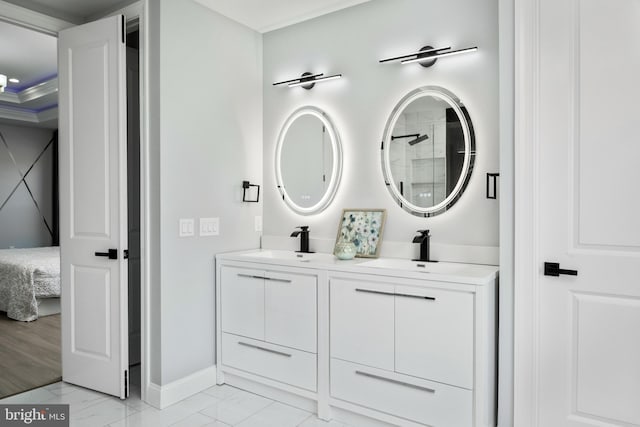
(22, 221)
(206, 93)
(351, 42)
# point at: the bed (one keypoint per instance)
(30, 282)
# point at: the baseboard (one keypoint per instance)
(162, 396)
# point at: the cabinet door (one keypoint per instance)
(242, 301)
(434, 335)
(290, 310)
(361, 317)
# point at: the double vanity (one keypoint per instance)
(403, 342)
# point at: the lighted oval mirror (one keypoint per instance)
(308, 161)
(428, 151)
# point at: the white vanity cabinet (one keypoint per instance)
(416, 349)
(407, 344)
(268, 323)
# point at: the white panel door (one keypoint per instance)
(585, 339)
(93, 205)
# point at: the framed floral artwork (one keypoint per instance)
(364, 228)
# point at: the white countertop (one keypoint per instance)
(473, 274)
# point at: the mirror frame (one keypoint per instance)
(469, 145)
(336, 150)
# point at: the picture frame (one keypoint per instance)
(364, 227)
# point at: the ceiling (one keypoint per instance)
(75, 11)
(268, 15)
(31, 57)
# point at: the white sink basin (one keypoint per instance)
(289, 255)
(426, 267)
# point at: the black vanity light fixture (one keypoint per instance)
(428, 55)
(308, 80)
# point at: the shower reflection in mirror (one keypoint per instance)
(427, 151)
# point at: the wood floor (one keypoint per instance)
(29, 353)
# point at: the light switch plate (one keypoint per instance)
(258, 223)
(209, 226)
(187, 227)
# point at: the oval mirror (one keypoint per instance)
(308, 161)
(428, 151)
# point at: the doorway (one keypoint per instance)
(134, 207)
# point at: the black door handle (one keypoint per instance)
(553, 269)
(112, 254)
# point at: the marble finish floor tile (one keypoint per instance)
(152, 417)
(218, 406)
(101, 413)
(314, 421)
(237, 407)
(197, 420)
(276, 415)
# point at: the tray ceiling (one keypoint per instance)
(30, 57)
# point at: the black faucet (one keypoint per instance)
(304, 238)
(423, 238)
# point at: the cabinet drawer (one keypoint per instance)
(242, 301)
(289, 366)
(417, 400)
(434, 335)
(361, 317)
(290, 310)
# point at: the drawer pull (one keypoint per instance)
(370, 291)
(268, 350)
(250, 276)
(277, 280)
(389, 380)
(415, 296)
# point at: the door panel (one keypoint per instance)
(89, 168)
(90, 300)
(93, 207)
(604, 358)
(605, 102)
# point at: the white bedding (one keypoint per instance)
(27, 274)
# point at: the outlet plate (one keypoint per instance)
(209, 226)
(258, 223)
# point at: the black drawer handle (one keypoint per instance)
(389, 380)
(268, 350)
(277, 280)
(112, 254)
(415, 296)
(370, 291)
(250, 276)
